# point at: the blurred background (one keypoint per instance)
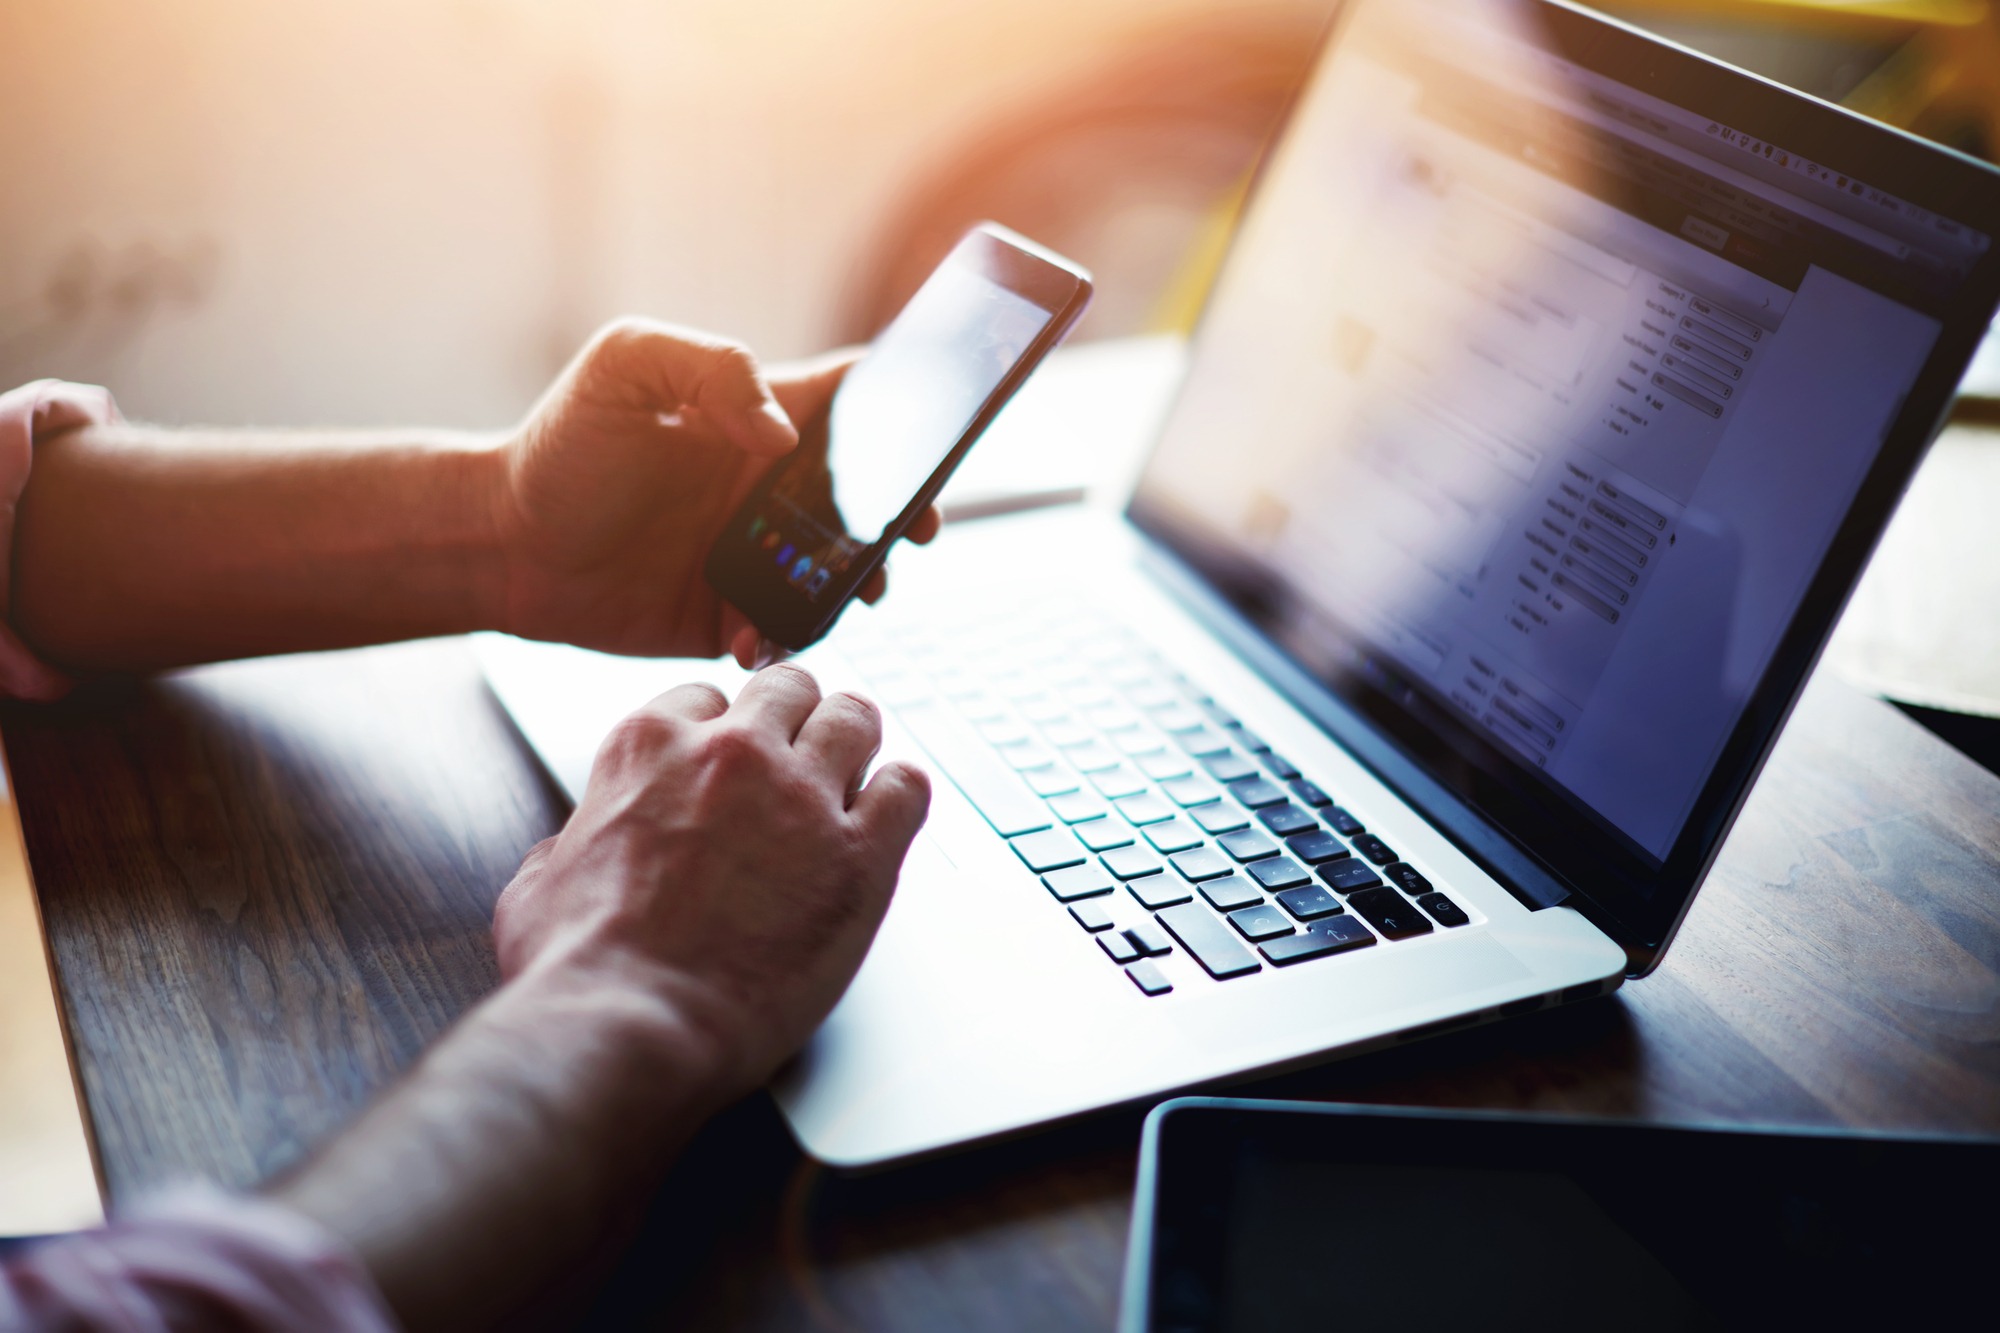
(245, 211)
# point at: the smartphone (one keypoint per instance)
(822, 520)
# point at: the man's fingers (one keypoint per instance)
(925, 527)
(840, 737)
(714, 377)
(892, 807)
(873, 587)
(781, 697)
(698, 701)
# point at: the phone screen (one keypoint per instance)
(895, 418)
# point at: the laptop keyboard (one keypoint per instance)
(1112, 775)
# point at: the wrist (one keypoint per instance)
(485, 483)
(659, 1024)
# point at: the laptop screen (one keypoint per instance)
(1531, 400)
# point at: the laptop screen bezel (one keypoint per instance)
(1528, 840)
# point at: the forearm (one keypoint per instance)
(528, 1136)
(137, 549)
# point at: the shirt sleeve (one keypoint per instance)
(194, 1260)
(31, 412)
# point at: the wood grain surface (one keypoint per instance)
(267, 887)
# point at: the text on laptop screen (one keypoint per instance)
(1534, 401)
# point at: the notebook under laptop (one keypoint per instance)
(1554, 392)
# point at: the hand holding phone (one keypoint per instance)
(822, 520)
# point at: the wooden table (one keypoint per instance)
(267, 886)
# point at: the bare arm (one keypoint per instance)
(139, 548)
(704, 908)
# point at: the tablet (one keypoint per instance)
(1290, 1215)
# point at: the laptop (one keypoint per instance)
(1549, 402)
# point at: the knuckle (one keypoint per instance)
(638, 736)
(735, 750)
(734, 357)
(792, 676)
(618, 337)
(860, 710)
(703, 694)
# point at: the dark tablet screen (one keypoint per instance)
(1263, 1217)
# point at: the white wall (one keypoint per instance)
(411, 210)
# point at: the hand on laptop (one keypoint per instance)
(623, 475)
(704, 908)
(730, 858)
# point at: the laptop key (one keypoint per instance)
(1112, 717)
(1091, 914)
(1164, 766)
(1078, 807)
(1138, 741)
(1201, 863)
(1074, 882)
(1262, 922)
(1031, 754)
(1316, 847)
(1285, 820)
(1349, 874)
(1202, 934)
(1101, 835)
(1145, 808)
(1065, 734)
(1146, 975)
(1277, 765)
(1002, 730)
(1221, 817)
(1118, 782)
(1342, 822)
(1052, 781)
(1219, 715)
(1152, 941)
(1233, 891)
(1051, 849)
(1447, 912)
(1258, 793)
(1405, 877)
(1092, 757)
(1230, 767)
(1374, 849)
(1191, 791)
(1390, 912)
(1117, 947)
(1157, 891)
(1310, 903)
(1202, 742)
(1336, 934)
(1249, 845)
(1132, 862)
(1278, 872)
(1310, 794)
(975, 769)
(1176, 835)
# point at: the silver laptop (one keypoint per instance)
(1550, 401)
